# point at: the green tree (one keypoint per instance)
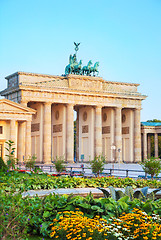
(10, 155)
(30, 162)
(154, 120)
(97, 164)
(59, 164)
(152, 166)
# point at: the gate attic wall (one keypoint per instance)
(55, 97)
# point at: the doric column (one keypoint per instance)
(21, 141)
(77, 136)
(145, 145)
(149, 146)
(118, 133)
(70, 134)
(112, 136)
(47, 133)
(131, 133)
(137, 136)
(156, 144)
(98, 130)
(28, 139)
(13, 135)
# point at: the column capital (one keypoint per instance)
(13, 120)
(118, 107)
(28, 121)
(137, 109)
(70, 104)
(99, 106)
(47, 103)
(24, 102)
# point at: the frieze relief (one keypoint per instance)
(1, 129)
(125, 130)
(35, 127)
(123, 88)
(82, 99)
(57, 128)
(85, 84)
(85, 129)
(15, 116)
(106, 130)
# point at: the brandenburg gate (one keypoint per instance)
(108, 115)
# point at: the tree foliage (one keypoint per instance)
(97, 164)
(152, 166)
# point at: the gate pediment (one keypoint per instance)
(7, 106)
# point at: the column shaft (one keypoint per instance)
(112, 136)
(149, 146)
(28, 139)
(98, 130)
(47, 133)
(145, 145)
(77, 136)
(137, 136)
(70, 134)
(156, 144)
(131, 150)
(21, 142)
(118, 134)
(13, 135)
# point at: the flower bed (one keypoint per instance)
(34, 181)
(34, 215)
(136, 225)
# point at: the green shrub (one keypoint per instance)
(152, 166)
(13, 221)
(59, 164)
(10, 155)
(30, 162)
(3, 166)
(97, 164)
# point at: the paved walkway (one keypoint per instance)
(75, 191)
(61, 191)
(84, 191)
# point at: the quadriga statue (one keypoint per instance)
(94, 69)
(87, 69)
(72, 63)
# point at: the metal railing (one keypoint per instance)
(87, 171)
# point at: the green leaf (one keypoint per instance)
(98, 209)
(145, 191)
(113, 192)
(123, 205)
(46, 214)
(85, 205)
(119, 194)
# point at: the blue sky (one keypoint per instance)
(123, 35)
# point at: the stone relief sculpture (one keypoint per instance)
(76, 68)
